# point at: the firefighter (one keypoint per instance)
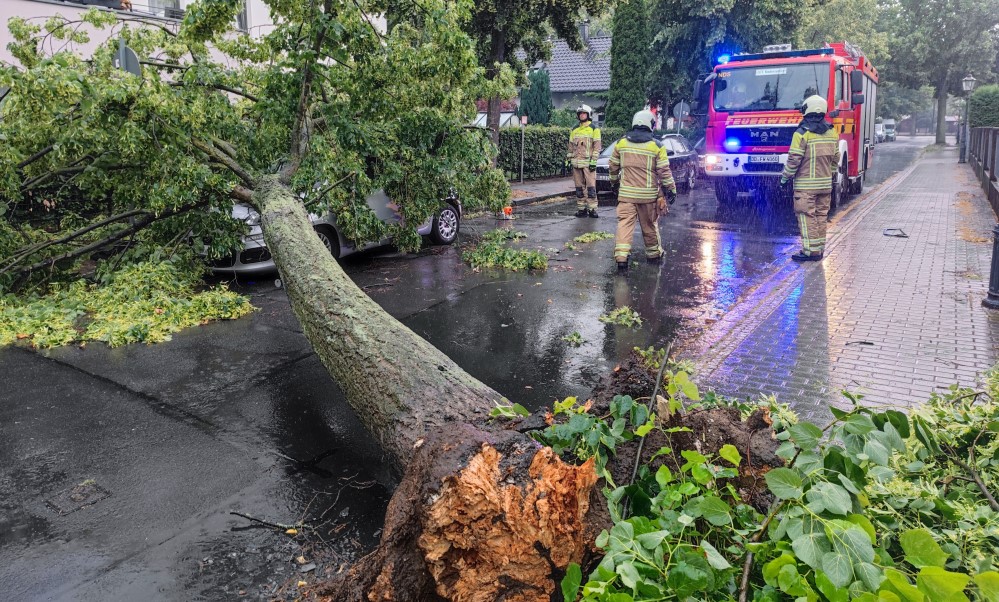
(584, 148)
(811, 163)
(639, 170)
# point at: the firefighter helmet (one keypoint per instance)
(814, 104)
(645, 119)
(585, 109)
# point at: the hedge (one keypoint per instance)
(544, 150)
(983, 107)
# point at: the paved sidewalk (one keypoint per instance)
(540, 190)
(891, 318)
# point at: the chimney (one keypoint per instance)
(584, 32)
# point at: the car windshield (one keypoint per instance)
(608, 150)
(770, 88)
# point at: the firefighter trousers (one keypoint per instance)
(647, 216)
(812, 208)
(586, 187)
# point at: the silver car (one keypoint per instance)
(255, 258)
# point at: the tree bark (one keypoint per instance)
(942, 113)
(401, 386)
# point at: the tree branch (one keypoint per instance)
(30, 250)
(298, 132)
(48, 149)
(241, 193)
(221, 87)
(976, 478)
(120, 234)
(224, 159)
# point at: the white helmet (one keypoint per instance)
(644, 118)
(814, 104)
(585, 109)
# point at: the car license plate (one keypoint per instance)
(764, 158)
(603, 178)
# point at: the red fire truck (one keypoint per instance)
(754, 106)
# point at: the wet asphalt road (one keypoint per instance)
(241, 416)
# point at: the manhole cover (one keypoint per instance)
(78, 496)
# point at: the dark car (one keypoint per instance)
(682, 160)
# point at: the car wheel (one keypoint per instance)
(330, 240)
(445, 226)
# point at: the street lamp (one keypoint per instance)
(968, 85)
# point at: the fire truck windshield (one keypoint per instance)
(769, 88)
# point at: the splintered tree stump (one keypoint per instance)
(480, 516)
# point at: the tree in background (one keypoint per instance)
(536, 98)
(690, 36)
(500, 27)
(898, 102)
(855, 21)
(983, 110)
(629, 62)
(937, 43)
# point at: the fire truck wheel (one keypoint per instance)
(839, 184)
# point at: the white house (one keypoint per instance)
(254, 18)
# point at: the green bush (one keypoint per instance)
(544, 150)
(983, 107)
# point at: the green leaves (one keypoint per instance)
(921, 550)
(940, 585)
(810, 548)
(571, 582)
(731, 454)
(825, 496)
(805, 435)
(784, 483)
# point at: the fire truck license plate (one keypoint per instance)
(764, 158)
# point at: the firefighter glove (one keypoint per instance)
(593, 165)
(670, 195)
(568, 162)
(783, 181)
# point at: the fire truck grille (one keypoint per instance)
(767, 135)
(763, 167)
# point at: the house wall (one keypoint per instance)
(39, 10)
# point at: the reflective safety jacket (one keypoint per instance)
(642, 167)
(812, 159)
(584, 145)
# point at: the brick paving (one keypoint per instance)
(892, 318)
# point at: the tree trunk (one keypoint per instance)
(483, 513)
(400, 386)
(941, 114)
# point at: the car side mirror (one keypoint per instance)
(858, 99)
(670, 153)
(856, 81)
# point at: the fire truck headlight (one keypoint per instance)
(711, 159)
(732, 144)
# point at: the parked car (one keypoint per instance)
(442, 228)
(701, 150)
(889, 130)
(682, 160)
(879, 133)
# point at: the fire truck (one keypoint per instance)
(753, 107)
